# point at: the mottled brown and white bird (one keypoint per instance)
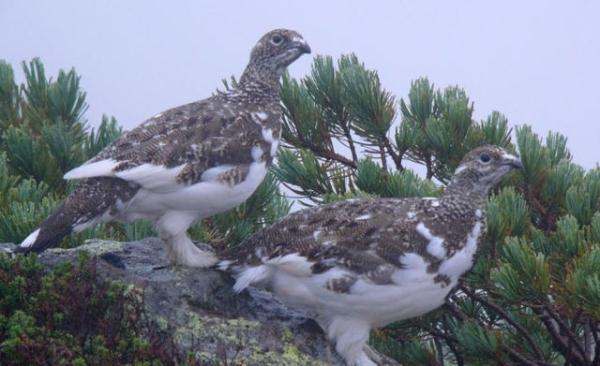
(185, 163)
(360, 264)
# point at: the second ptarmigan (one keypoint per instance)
(186, 163)
(361, 264)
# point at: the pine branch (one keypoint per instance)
(429, 167)
(515, 355)
(523, 360)
(332, 155)
(397, 158)
(562, 343)
(588, 341)
(383, 158)
(538, 352)
(350, 140)
(572, 338)
(450, 342)
(440, 351)
(455, 311)
(595, 332)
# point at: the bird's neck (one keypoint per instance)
(464, 192)
(468, 184)
(260, 80)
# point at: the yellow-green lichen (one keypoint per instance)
(161, 323)
(290, 351)
(240, 340)
(94, 247)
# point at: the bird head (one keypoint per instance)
(278, 49)
(482, 168)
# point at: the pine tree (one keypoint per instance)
(533, 297)
(44, 134)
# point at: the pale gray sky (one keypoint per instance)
(538, 62)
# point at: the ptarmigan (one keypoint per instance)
(359, 264)
(185, 163)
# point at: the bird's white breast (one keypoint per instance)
(462, 260)
(206, 198)
(377, 304)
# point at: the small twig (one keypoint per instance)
(332, 155)
(440, 350)
(595, 332)
(383, 157)
(351, 146)
(575, 320)
(588, 341)
(429, 166)
(558, 340)
(570, 335)
(397, 158)
(460, 361)
(454, 310)
(325, 153)
(521, 359)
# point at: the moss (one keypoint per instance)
(70, 316)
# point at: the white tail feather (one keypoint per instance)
(102, 168)
(251, 275)
(30, 239)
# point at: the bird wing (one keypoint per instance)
(336, 244)
(197, 141)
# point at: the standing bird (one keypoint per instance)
(186, 163)
(360, 264)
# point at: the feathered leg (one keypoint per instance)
(350, 337)
(172, 228)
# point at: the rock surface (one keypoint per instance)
(202, 312)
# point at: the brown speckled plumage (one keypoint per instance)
(224, 135)
(201, 135)
(364, 263)
(365, 246)
(369, 236)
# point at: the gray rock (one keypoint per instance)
(7, 247)
(202, 312)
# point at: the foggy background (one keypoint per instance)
(537, 61)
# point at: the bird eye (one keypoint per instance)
(485, 158)
(276, 39)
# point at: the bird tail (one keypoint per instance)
(51, 231)
(83, 208)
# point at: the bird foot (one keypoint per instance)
(197, 259)
(182, 251)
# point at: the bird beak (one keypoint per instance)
(301, 44)
(512, 161)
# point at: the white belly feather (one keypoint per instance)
(160, 191)
(205, 198)
(413, 291)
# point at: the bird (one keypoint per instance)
(186, 163)
(360, 264)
